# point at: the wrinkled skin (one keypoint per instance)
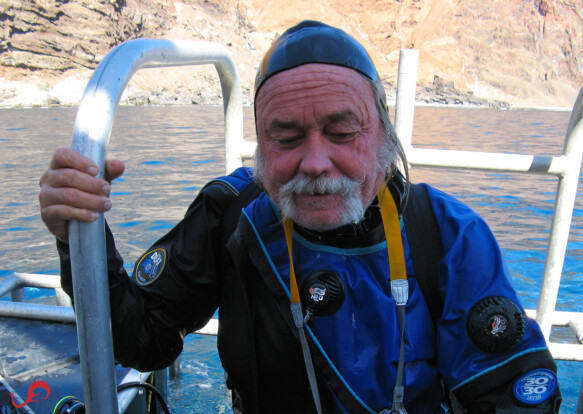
(319, 120)
(71, 190)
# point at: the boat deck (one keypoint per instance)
(37, 350)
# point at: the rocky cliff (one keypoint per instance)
(491, 52)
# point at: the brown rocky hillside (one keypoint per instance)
(498, 52)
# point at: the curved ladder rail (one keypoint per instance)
(87, 240)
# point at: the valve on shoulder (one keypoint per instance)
(322, 294)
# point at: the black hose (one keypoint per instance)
(149, 387)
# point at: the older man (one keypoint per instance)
(319, 225)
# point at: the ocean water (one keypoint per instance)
(171, 152)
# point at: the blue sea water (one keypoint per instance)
(171, 152)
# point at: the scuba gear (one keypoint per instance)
(495, 324)
(322, 293)
(398, 284)
(296, 309)
(258, 342)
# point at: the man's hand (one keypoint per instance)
(70, 190)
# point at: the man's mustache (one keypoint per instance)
(321, 185)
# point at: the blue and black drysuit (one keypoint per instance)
(179, 283)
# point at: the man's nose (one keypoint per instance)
(317, 156)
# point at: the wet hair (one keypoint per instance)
(393, 143)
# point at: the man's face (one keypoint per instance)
(319, 137)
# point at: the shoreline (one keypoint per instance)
(69, 91)
(391, 105)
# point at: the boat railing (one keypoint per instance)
(91, 134)
(14, 284)
(567, 167)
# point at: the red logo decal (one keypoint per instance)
(31, 394)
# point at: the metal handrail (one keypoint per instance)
(567, 167)
(87, 240)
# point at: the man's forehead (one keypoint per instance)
(326, 92)
(309, 80)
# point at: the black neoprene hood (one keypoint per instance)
(314, 42)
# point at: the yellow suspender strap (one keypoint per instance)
(399, 289)
(392, 227)
(288, 227)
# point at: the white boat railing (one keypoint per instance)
(91, 134)
(566, 167)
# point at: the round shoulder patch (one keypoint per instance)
(536, 386)
(495, 324)
(150, 266)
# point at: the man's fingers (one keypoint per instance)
(74, 198)
(69, 158)
(55, 214)
(113, 169)
(70, 178)
(71, 190)
(54, 218)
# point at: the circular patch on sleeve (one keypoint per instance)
(150, 266)
(535, 387)
(495, 324)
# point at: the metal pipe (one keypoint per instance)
(17, 295)
(487, 161)
(211, 328)
(405, 101)
(560, 318)
(17, 399)
(175, 369)
(563, 212)
(233, 114)
(87, 240)
(576, 326)
(125, 397)
(8, 285)
(62, 298)
(567, 352)
(90, 288)
(37, 311)
(39, 280)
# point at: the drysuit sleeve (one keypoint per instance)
(174, 289)
(527, 384)
(491, 355)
